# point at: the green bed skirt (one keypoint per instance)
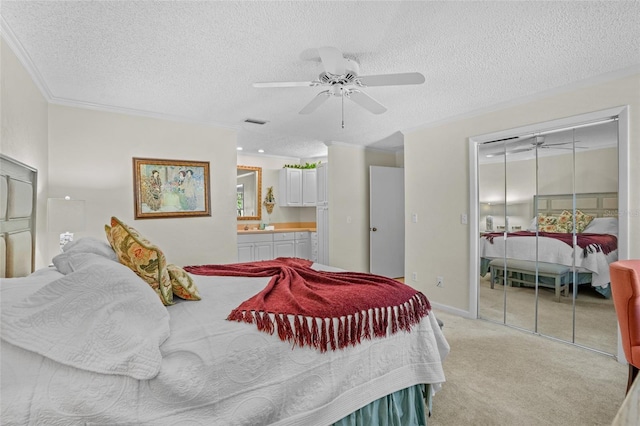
(405, 407)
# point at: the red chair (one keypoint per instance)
(625, 290)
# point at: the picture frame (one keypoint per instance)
(170, 188)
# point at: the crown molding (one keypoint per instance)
(137, 112)
(360, 147)
(264, 155)
(591, 81)
(9, 37)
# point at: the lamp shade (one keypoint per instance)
(65, 215)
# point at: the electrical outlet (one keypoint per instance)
(464, 219)
(439, 281)
(414, 218)
(414, 276)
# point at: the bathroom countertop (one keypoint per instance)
(259, 231)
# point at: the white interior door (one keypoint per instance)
(386, 221)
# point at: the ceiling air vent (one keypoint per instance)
(255, 121)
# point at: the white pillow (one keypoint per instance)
(91, 245)
(603, 225)
(101, 318)
(67, 263)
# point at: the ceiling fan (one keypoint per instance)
(341, 76)
(538, 142)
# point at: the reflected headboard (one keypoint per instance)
(597, 204)
(18, 192)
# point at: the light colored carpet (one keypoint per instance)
(497, 375)
(596, 322)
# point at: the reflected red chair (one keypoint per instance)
(625, 290)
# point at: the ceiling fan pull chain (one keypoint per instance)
(342, 99)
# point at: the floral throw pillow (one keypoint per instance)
(565, 222)
(547, 223)
(182, 284)
(142, 257)
(582, 220)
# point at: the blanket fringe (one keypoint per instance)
(591, 248)
(348, 330)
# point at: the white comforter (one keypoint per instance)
(215, 372)
(551, 250)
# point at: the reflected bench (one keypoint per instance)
(524, 271)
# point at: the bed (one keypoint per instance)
(89, 341)
(596, 244)
(18, 183)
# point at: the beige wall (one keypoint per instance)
(437, 182)
(595, 171)
(91, 158)
(23, 135)
(349, 203)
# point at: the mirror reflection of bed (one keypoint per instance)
(526, 183)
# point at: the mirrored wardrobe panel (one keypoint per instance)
(548, 205)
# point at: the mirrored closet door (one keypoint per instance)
(548, 205)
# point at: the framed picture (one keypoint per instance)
(170, 188)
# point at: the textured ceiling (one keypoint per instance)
(196, 60)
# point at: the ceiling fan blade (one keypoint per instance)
(515, 151)
(332, 60)
(391, 79)
(366, 101)
(287, 84)
(555, 146)
(315, 102)
(561, 143)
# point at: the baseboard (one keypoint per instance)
(451, 310)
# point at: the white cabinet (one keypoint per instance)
(322, 225)
(309, 187)
(284, 244)
(298, 187)
(253, 247)
(302, 245)
(267, 246)
(245, 252)
(290, 187)
(314, 247)
(320, 248)
(322, 184)
(263, 251)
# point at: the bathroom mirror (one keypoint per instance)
(249, 193)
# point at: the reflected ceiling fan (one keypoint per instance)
(342, 79)
(538, 142)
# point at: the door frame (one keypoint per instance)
(622, 113)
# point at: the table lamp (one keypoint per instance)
(65, 216)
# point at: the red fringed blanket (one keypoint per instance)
(589, 243)
(302, 304)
